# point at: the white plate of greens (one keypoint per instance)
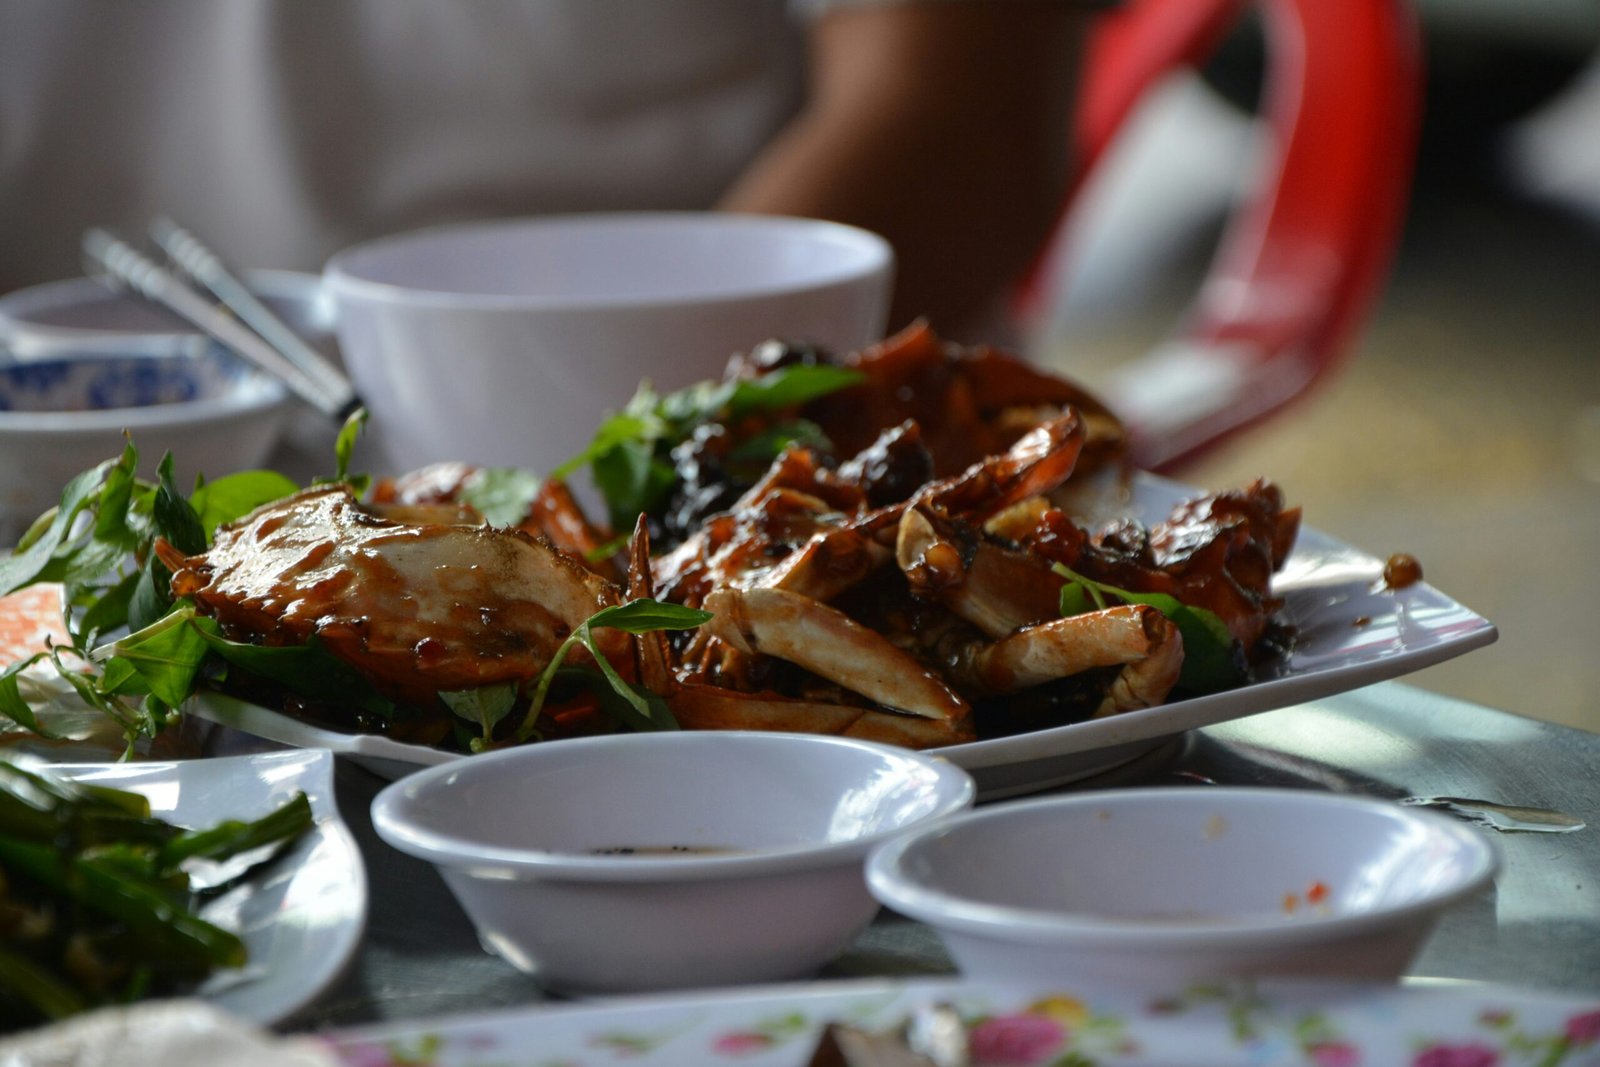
(302, 914)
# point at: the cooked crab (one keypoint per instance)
(416, 608)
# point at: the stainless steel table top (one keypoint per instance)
(1538, 927)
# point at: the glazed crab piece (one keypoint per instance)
(971, 401)
(830, 644)
(417, 609)
(1135, 637)
(701, 706)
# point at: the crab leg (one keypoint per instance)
(997, 589)
(827, 642)
(1136, 637)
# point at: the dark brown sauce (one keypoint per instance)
(1401, 570)
(665, 850)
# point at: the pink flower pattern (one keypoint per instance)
(1474, 1054)
(1016, 1039)
(1334, 1054)
(1584, 1029)
(740, 1043)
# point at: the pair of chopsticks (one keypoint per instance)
(241, 322)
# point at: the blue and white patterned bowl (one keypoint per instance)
(62, 414)
(94, 382)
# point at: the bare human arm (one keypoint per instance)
(943, 126)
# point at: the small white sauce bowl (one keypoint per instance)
(1176, 884)
(786, 821)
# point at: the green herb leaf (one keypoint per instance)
(344, 446)
(175, 519)
(484, 706)
(12, 705)
(644, 616)
(234, 496)
(152, 598)
(308, 669)
(166, 655)
(789, 387)
(24, 566)
(630, 454)
(502, 495)
(1212, 659)
(636, 617)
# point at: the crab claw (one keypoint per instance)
(1135, 637)
(827, 642)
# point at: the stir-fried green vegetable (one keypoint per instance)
(96, 904)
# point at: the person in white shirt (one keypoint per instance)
(283, 130)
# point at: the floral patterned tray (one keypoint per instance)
(1245, 1024)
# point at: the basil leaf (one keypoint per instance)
(633, 481)
(116, 499)
(234, 496)
(485, 706)
(629, 455)
(24, 566)
(640, 714)
(175, 519)
(644, 616)
(502, 495)
(121, 677)
(612, 433)
(166, 654)
(344, 446)
(789, 387)
(12, 706)
(152, 597)
(107, 610)
(1212, 659)
(308, 669)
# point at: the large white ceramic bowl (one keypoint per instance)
(505, 342)
(1172, 884)
(639, 862)
(61, 415)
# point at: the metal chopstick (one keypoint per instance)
(207, 268)
(128, 265)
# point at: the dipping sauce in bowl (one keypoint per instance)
(654, 861)
(1164, 884)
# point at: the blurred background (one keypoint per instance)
(1465, 426)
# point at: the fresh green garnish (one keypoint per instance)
(97, 543)
(502, 495)
(630, 454)
(1211, 657)
(638, 708)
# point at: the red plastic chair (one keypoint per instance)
(1300, 264)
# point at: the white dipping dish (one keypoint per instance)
(785, 822)
(1196, 883)
(504, 343)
